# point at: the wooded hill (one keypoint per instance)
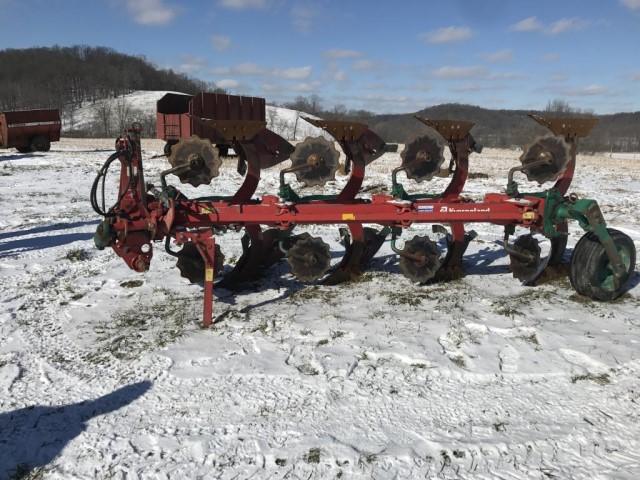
(65, 77)
(618, 132)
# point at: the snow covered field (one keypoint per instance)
(105, 373)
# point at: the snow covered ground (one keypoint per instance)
(105, 373)
(284, 121)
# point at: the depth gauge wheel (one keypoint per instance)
(591, 273)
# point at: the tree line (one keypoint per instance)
(619, 132)
(67, 77)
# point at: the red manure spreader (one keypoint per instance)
(602, 261)
(29, 130)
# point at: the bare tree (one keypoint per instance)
(102, 117)
(123, 114)
(559, 106)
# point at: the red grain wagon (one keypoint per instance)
(29, 130)
(181, 116)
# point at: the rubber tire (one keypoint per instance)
(589, 257)
(40, 144)
(24, 149)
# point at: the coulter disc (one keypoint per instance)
(422, 158)
(315, 161)
(309, 258)
(550, 149)
(200, 159)
(525, 262)
(191, 264)
(421, 269)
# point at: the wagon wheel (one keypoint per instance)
(40, 144)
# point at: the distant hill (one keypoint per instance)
(507, 128)
(67, 77)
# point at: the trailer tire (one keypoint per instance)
(590, 271)
(40, 144)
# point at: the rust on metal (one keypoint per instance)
(340, 130)
(567, 126)
(233, 130)
(451, 130)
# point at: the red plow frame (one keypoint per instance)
(145, 214)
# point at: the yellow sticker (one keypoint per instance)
(205, 210)
(208, 275)
(529, 216)
(348, 216)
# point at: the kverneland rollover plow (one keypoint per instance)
(601, 263)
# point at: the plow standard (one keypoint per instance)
(601, 264)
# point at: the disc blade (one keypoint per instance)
(201, 158)
(420, 271)
(317, 161)
(422, 158)
(526, 260)
(191, 264)
(550, 149)
(309, 258)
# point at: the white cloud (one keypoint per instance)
(295, 73)
(447, 35)
(339, 76)
(529, 24)
(247, 69)
(302, 17)
(566, 25)
(631, 4)
(151, 12)
(458, 72)
(191, 64)
(242, 4)
(342, 53)
(499, 56)
(559, 77)
(532, 24)
(590, 90)
(506, 76)
(305, 87)
(471, 87)
(252, 69)
(221, 42)
(227, 83)
(364, 65)
(586, 91)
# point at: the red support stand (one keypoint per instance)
(206, 245)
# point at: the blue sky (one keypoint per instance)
(383, 56)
